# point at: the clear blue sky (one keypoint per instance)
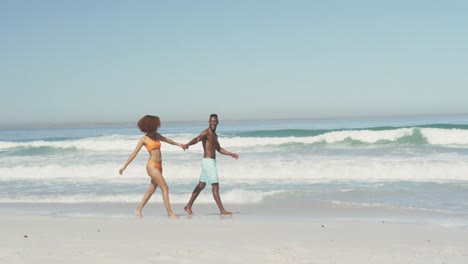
(113, 61)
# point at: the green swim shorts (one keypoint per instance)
(209, 172)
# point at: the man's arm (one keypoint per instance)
(225, 152)
(195, 140)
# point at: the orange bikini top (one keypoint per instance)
(152, 144)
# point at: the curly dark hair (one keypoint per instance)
(149, 124)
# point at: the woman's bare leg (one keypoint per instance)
(151, 189)
(157, 177)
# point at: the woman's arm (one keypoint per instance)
(133, 155)
(170, 141)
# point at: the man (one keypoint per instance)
(209, 172)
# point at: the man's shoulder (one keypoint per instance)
(204, 133)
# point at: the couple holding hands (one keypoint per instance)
(152, 142)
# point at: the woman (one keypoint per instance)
(152, 141)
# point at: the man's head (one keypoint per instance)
(213, 121)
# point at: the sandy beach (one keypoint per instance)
(246, 236)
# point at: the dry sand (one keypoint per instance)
(212, 239)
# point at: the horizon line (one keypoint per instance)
(85, 124)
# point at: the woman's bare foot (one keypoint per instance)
(188, 210)
(172, 215)
(138, 213)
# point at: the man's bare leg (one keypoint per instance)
(215, 188)
(200, 186)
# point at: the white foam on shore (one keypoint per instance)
(235, 196)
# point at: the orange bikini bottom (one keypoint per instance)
(156, 164)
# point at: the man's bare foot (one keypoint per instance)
(188, 210)
(226, 213)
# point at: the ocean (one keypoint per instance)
(418, 163)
